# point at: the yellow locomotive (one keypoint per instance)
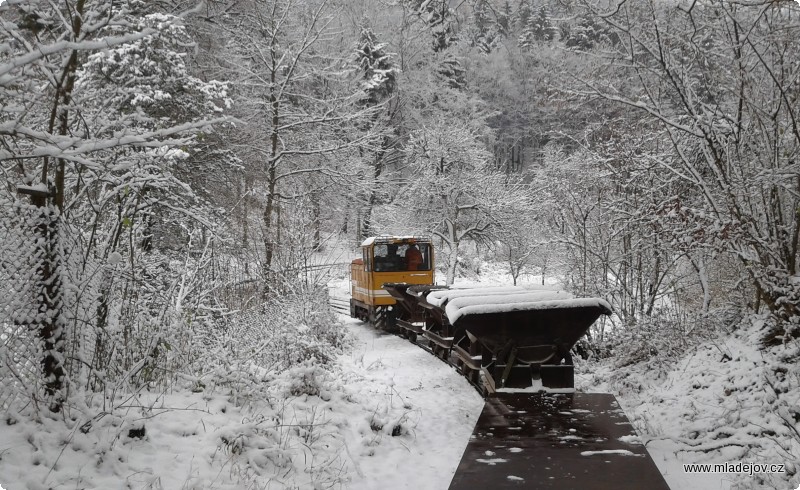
(387, 259)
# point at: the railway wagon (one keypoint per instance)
(387, 259)
(513, 344)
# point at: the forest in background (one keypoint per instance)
(173, 170)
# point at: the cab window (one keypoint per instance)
(401, 257)
(417, 257)
(386, 258)
(366, 257)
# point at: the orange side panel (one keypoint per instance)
(358, 281)
(367, 286)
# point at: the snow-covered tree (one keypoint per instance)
(708, 94)
(375, 67)
(523, 14)
(78, 144)
(588, 33)
(484, 26)
(538, 28)
(456, 190)
(504, 18)
(378, 72)
(297, 103)
(438, 17)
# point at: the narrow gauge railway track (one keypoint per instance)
(513, 345)
(530, 438)
(339, 304)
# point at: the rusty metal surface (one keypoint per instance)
(577, 441)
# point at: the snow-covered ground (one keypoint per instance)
(388, 415)
(723, 401)
(437, 409)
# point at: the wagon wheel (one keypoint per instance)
(384, 318)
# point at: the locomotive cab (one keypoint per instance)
(387, 259)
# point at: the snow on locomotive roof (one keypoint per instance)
(482, 309)
(392, 239)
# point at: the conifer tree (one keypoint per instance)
(378, 72)
(524, 13)
(485, 30)
(504, 17)
(539, 28)
(438, 17)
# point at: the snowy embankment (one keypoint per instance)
(724, 401)
(385, 414)
(434, 405)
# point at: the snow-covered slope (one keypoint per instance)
(724, 401)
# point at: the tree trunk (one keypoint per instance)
(315, 208)
(452, 264)
(702, 275)
(269, 242)
(366, 228)
(50, 296)
(453, 243)
(50, 301)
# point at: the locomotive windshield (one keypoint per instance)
(401, 257)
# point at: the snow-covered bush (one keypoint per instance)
(293, 333)
(660, 340)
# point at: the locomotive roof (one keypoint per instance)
(394, 239)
